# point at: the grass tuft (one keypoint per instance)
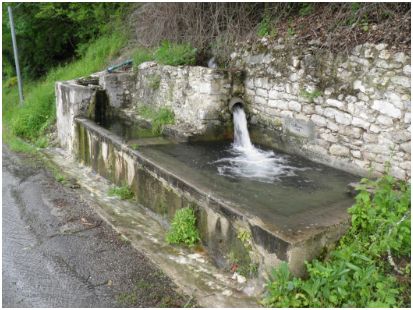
(174, 54)
(122, 192)
(183, 228)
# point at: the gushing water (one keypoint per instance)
(247, 161)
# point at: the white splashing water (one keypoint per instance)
(247, 161)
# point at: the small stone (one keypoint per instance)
(335, 103)
(384, 120)
(399, 57)
(262, 92)
(343, 118)
(406, 147)
(357, 84)
(295, 106)
(328, 91)
(384, 54)
(381, 46)
(401, 80)
(358, 122)
(350, 99)
(273, 94)
(279, 104)
(339, 150)
(375, 128)
(329, 137)
(260, 100)
(356, 154)
(319, 120)
(397, 172)
(332, 126)
(407, 70)
(370, 138)
(407, 118)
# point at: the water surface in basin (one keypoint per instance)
(310, 191)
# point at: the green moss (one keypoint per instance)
(154, 81)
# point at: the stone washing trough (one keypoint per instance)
(246, 223)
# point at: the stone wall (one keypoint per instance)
(198, 96)
(348, 111)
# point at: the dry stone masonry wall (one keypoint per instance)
(198, 96)
(349, 111)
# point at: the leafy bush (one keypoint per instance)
(264, 27)
(183, 228)
(123, 192)
(175, 54)
(60, 31)
(357, 273)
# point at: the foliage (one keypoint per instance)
(159, 117)
(264, 27)
(50, 33)
(31, 120)
(123, 192)
(183, 228)
(356, 274)
(141, 55)
(175, 54)
(310, 95)
(306, 9)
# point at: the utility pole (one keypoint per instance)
(16, 56)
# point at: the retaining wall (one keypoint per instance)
(350, 111)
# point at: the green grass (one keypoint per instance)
(159, 117)
(141, 55)
(183, 228)
(31, 121)
(174, 54)
(122, 192)
(357, 273)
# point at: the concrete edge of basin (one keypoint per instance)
(295, 250)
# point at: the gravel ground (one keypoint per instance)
(57, 252)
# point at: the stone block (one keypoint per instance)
(401, 80)
(335, 103)
(339, 150)
(370, 138)
(386, 108)
(358, 122)
(260, 100)
(356, 153)
(279, 104)
(261, 92)
(294, 106)
(319, 120)
(400, 57)
(384, 54)
(384, 120)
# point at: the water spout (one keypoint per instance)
(248, 161)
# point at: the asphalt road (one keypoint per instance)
(57, 252)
